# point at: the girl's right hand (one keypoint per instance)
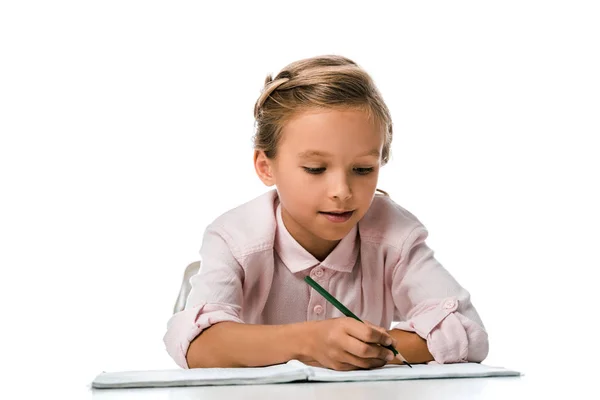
(345, 344)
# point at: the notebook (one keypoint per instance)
(292, 371)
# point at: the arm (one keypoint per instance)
(215, 297)
(412, 347)
(230, 344)
(432, 305)
(337, 343)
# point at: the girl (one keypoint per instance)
(323, 133)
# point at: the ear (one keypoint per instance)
(264, 167)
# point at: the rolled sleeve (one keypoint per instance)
(431, 303)
(451, 337)
(215, 296)
(184, 326)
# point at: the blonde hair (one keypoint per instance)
(319, 82)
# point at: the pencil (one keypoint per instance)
(343, 308)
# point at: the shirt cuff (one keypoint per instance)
(435, 322)
(186, 325)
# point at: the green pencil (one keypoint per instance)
(342, 308)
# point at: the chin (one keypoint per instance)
(334, 234)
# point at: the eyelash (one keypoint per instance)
(318, 171)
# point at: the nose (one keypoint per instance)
(339, 187)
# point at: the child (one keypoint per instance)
(323, 132)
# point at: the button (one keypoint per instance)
(318, 272)
(449, 304)
(318, 309)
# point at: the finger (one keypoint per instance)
(367, 350)
(363, 363)
(384, 331)
(341, 366)
(368, 334)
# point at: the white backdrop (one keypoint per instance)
(126, 128)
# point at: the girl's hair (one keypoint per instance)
(318, 82)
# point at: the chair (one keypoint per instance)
(184, 291)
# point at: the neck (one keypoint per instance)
(321, 249)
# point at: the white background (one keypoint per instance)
(126, 128)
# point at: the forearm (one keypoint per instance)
(231, 344)
(412, 346)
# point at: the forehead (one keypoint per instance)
(336, 132)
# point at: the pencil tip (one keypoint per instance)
(406, 362)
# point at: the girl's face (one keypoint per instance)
(326, 170)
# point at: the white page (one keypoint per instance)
(202, 376)
(402, 372)
(290, 372)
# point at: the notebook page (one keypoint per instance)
(201, 376)
(419, 371)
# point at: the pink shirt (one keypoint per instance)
(253, 272)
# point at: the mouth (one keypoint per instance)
(337, 216)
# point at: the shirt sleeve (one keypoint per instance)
(215, 296)
(431, 303)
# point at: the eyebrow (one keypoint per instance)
(316, 153)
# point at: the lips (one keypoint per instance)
(337, 216)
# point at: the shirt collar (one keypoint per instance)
(296, 258)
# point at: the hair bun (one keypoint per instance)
(284, 74)
(270, 86)
(268, 79)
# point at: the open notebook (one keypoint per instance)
(292, 371)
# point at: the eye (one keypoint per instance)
(314, 171)
(363, 171)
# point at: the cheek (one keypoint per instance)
(302, 200)
(294, 190)
(366, 185)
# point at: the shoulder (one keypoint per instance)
(389, 224)
(250, 227)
